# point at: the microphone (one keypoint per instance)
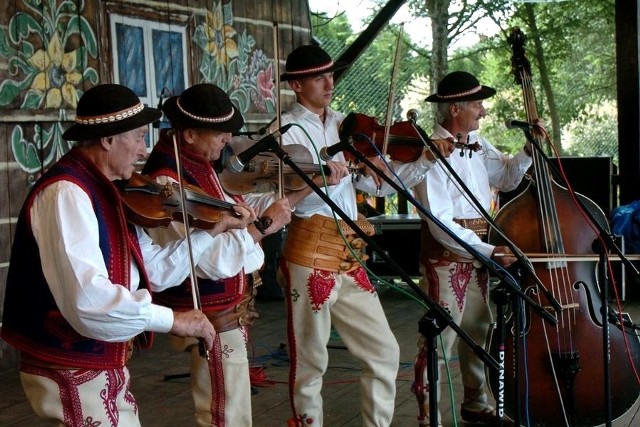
(235, 163)
(156, 123)
(164, 94)
(412, 115)
(517, 124)
(327, 153)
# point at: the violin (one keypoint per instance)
(150, 204)
(404, 144)
(261, 174)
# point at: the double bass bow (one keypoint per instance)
(566, 384)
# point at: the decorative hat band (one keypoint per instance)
(112, 117)
(312, 70)
(218, 119)
(459, 94)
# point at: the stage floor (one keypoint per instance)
(162, 388)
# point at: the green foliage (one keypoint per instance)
(578, 47)
(577, 42)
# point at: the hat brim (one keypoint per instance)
(82, 132)
(180, 121)
(484, 93)
(286, 77)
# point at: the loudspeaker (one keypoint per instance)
(399, 236)
(590, 176)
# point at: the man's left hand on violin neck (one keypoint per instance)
(245, 215)
(444, 146)
(334, 174)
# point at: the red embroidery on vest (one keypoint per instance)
(200, 172)
(362, 280)
(319, 286)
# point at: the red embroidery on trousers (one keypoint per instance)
(68, 382)
(483, 281)
(289, 299)
(362, 280)
(319, 286)
(300, 420)
(459, 278)
(432, 279)
(218, 401)
(116, 381)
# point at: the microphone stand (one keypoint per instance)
(601, 246)
(435, 320)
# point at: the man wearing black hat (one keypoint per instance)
(80, 278)
(451, 276)
(325, 284)
(203, 119)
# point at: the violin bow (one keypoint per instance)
(276, 69)
(392, 89)
(195, 291)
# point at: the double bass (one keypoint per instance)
(560, 368)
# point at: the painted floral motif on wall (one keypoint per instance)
(43, 74)
(48, 43)
(232, 62)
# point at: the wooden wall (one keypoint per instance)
(51, 53)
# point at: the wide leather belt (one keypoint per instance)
(316, 242)
(433, 249)
(242, 314)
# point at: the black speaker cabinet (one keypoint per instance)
(399, 236)
(589, 176)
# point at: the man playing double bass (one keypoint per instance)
(450, 275)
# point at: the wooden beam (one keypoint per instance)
(366, 37)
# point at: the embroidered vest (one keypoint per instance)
(214, 294)
(32, 321)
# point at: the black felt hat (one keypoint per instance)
(460, 86)
(203, 106)
(109, 109)
(309, 60)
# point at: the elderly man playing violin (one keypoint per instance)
(80, 279)
(203, 119)
(451, 276)
(324, 284)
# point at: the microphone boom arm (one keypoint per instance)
(441, 313)
(499, 271)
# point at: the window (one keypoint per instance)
(151, 59)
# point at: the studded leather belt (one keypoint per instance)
(241, 314)
(433, 249)
(317, 242)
